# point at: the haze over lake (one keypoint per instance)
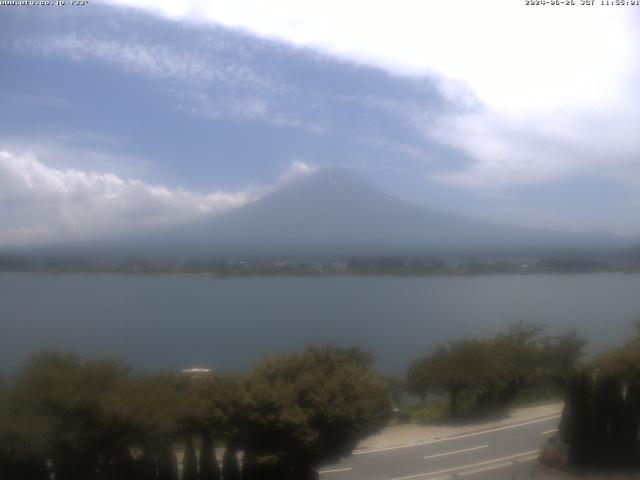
(158, 323)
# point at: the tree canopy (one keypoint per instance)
(495, 370)
(93, 420)
(323, 401)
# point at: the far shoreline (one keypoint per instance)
(208, 275)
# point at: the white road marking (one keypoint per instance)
(549, 431)
(456, 451)
(528, 459)
(462, 467)
(495, 467)
(335, 470)
(474, 434)
(484, 469)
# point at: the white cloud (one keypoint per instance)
(155, 60)
(78, 150)
(509, 54)
(536, 93)
(297, 170)
(197, 76)
(510, 151)
(39, 203)
(158, 60)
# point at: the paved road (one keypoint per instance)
(505, 452)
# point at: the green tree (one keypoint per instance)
(73, 405)
(154, 414)
(521, 358)
(313, 407)
(22, 447)
(492, 372)
(561, 356)
(397, 388)
(467, 367)
(230, 467)
(209, 469)
(189, 461)
(166, 461)
(249, 465)
(419, 379)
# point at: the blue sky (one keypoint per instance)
(121, 115)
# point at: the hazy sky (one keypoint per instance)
(131, 113)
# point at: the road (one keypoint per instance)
(504, 452)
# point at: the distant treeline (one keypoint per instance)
(94, 420)
(391, 265)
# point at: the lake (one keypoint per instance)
(158, 323)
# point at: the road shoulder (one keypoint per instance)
(407, 434)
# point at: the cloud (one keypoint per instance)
(153, 60)
(196, 76)
(395, 147)
(297, 170)
(39, 203)
(535, 93)
(496, 48)
(78, 149)
(509, 151)
(219, 74)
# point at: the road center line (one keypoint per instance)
(334, 470)
(462, 467)
(456, 451)
(546, 432)
(473, 434)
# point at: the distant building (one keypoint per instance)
(196, 372)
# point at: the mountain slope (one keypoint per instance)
(333, 212)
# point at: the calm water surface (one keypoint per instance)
(167, 323)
